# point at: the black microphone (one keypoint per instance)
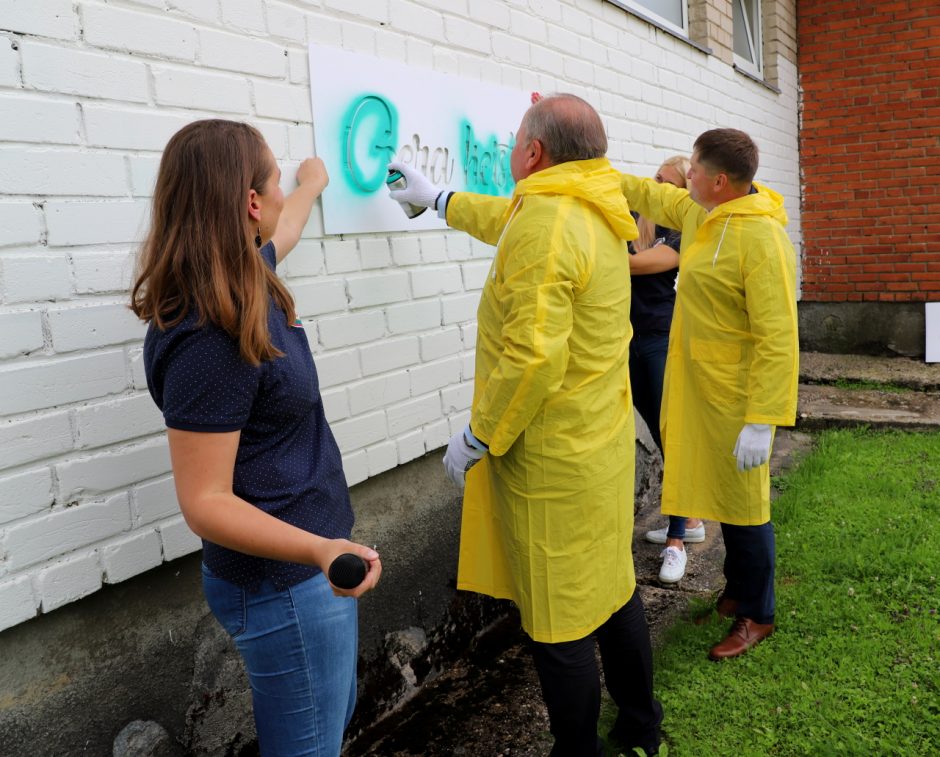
(348, 571)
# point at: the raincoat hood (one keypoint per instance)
(595, 181)
(764, 202)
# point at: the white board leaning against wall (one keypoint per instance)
(932, 312)
(368, 111)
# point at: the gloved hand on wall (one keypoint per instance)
(419, 190)
(464, 451)
(753, 446)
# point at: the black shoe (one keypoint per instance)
(630, 744)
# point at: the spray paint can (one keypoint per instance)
(395, 180)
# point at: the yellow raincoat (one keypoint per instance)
(548, 513)
(733, 347)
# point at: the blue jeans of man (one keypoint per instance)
(299, 647)
(647, 372)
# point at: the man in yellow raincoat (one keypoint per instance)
(732, 367)
(548, 508)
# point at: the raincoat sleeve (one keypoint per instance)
(769, 269)
(664, 204)
(481, 216)
(539, 276)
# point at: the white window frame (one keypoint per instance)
(754, 39)
(641, 10)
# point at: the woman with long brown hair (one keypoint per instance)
(258, 473)
(654, 265)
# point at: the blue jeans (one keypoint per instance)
(299, 646)
(647, 371)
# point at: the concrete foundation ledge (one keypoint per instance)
(863, 328)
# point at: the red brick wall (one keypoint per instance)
(870, 149)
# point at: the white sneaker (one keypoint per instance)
(692, 535)
(674, 560)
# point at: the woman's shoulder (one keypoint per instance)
(188, 336)
(269, 255)
(176, 324)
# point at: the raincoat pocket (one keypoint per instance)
(717, 371)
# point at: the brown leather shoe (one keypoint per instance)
(725, 607)
(744, 634)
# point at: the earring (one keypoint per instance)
(258, 238)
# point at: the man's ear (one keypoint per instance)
(721, 182)
(254, 205)
(534, 154)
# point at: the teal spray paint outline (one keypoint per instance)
(492, 152)
(488, 149)
(352, 170)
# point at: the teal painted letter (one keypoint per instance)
(370, 135)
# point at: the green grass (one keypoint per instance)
(854, 667)
(866, 384)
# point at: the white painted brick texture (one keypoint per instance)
(68, 580)
(25, 494)
(177, 539)
(50, 18)
(90, 92)
(20, 333)
(35, 119)
(9, 64)
(34, 278)
(154, 501)
(34, 438)
(63, 530)
(20, 222)
(17, 601)
(129, 556)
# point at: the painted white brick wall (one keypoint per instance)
(25, 494)
(63, 530)
(90, 91)
(130, 556)
(20, 333)
(154, 501)
(35, 438)
(64, 581)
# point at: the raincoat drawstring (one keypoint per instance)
(721, 239)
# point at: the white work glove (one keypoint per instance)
(464, 450)
(753, 445)
(419, 190)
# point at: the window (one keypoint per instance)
(672, 14)
(747, 37)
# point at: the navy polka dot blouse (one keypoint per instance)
(288, 463)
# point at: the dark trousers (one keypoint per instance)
(647, 372)
(572, 691)
(750, 557)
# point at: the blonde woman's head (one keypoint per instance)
(673, 171)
